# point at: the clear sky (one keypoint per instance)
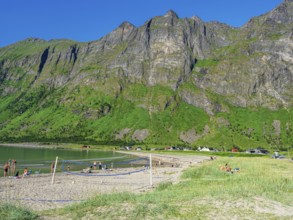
(87, 20)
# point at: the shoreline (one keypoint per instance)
(36, 192)
(34, 145)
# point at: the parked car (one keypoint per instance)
(276, 155)
(257, 151)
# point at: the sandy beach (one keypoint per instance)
(37, 192)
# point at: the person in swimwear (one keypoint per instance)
(6, 168)
(95, 165)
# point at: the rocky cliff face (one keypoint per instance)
(256, 68)
(252, 63)
(163, 51)
(198, 61)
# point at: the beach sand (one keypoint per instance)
(37, 192)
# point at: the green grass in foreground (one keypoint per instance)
(11, 212)
(263, 189)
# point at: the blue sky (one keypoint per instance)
(86, 20)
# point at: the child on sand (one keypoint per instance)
(25, 172)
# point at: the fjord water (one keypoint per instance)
(40, 159)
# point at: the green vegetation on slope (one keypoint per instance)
(31, 47)
(83, 113)
(250, 128)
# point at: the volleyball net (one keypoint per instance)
(105, 167)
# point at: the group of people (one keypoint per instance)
(97, 164)
(228, 168)
(10, 168)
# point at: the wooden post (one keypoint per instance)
(53, 177)
(151, 171)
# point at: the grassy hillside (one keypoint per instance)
(87, 114)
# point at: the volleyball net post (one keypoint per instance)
(151, 171)
(53, 177)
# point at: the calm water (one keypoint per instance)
(39, 160)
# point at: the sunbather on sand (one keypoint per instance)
(25, 172)
(87, 170)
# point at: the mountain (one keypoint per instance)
(171, 81)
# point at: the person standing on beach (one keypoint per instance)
(10, 163)
(6, 168)
(100, 165)
(13, 166)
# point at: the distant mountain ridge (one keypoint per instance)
(169, 81)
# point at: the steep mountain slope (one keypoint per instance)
(256, 69)
(170, 81)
